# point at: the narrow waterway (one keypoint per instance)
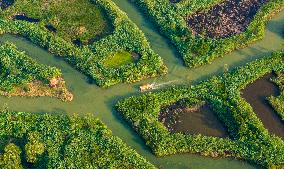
(92, 99)
(256, 95)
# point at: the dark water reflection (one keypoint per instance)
(192, 120)
(4, 4)
(256, 95)
(23, 17)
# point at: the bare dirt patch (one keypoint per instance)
(226, 19)
(38, 89)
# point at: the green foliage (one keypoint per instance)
(89, 59)
(10, 159)
(248, 140)
(59, 141)
(278, 105)
(199, 50)
(76, 19)
(118, 59)
(34, 147)
(18, 69)
(278, 102)
(186, 7)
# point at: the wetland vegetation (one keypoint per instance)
(277, 101)
(22, 76)
(58, 141)
(76, 19)
(207, 29)
(90, 58)
(249, 138)
(119, 58)
(238, 115)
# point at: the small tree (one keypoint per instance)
(11, 158)
(34, 147)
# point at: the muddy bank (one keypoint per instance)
(225, 19)
(192, 120)
(256, 95)
(56, 88)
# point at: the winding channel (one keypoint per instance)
(91, 99)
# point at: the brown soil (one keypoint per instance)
(256, 95)
(38, 89)
(225, 19)
(135, 56)
(194, 120)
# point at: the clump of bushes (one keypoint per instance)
(198, 50)
(77, 19)
(278, 101)
(248, 138)
(89, 59)
(58, 141)
(17, 69)
(20, 75)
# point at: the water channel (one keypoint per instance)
(91, 99)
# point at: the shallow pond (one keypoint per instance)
(25, 18)
(256, 95)
(92, 99)
(192, 120)
(51, 28)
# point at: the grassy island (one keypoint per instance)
(250, 136)
(56, 141)
(20, 75)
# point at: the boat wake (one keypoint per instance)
(153, 86)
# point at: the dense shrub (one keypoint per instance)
(248, 140)
(278, 102)
(199, 50)
(57, 141)
(20, 75)
(18, 69)
(89, 59)
(77, 19)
